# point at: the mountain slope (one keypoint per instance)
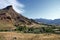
(10, 18)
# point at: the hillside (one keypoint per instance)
(9, 19)
(14, 26)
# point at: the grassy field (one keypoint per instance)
(26, 36)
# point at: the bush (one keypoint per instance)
(21, 28)
(47, 29)
(34, 30)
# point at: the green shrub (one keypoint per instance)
(34, 30)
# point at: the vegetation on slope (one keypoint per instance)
(48, 29)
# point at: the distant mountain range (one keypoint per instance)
(48, 21)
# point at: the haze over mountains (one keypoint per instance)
(48, 21)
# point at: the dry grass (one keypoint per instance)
(6, 26)
(23, 36)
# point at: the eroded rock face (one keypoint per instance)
(3, 16)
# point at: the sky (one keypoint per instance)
(47, 9)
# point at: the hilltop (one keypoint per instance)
(9, 18)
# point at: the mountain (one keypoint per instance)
(9, 18)
(42, 20)
(46, 21)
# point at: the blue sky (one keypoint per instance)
(48, 9)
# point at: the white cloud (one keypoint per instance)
(16, 5)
